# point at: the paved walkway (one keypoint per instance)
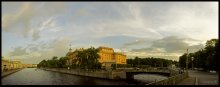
(200, 78)
(188, 81)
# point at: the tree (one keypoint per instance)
(88, 58)
(205, 58)
(147, 62)
(211, 52)
(62, 62)
(182, 61)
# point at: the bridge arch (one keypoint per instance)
(130, 75)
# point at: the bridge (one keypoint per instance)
(129, 74)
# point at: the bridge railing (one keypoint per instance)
(171, 80)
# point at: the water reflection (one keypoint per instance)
(149, 77)
(30, 76)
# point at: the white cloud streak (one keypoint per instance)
(92, 21)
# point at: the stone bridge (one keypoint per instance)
(129, 74)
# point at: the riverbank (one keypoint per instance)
(6, 73)
(30, 76)
(113, 75)
(101, 74)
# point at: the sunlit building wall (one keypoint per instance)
(109, 57)
(106, 56)
(120, 58)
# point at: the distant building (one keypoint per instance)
(29, 65)
(17, 64)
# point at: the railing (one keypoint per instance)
(171, 80)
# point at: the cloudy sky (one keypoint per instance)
(33, 31)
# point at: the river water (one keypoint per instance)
(30, 76)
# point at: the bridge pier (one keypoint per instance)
(129, 76)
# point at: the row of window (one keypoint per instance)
(107, 50)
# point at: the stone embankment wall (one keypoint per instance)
(90, 73)
(6, 73)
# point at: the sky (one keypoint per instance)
(33, 31)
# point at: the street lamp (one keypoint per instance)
(192, 63)
(187, 61)
(115, 63)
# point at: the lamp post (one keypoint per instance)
(187, 61)
(192, 63)
(115, 63)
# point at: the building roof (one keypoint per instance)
(120, 53)
(102, 47)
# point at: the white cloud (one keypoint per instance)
(46, 21)
(27, 12)
(168, 47)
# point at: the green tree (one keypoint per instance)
(88, 58)
(62, 62)
(205, 58)
(211, 52)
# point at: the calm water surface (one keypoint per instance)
(30, 76)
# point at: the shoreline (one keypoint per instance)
(6, 73)
(71, 72)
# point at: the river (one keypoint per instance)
(30, 76)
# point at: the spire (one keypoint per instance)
(70, 48)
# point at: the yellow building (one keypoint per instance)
(106, 56)
(5, 65)
(16, 64)
(29, 65)
(120, 58)
(109, 57)
(9, 65)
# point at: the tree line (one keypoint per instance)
(88, 59)
(205, 58)
(150, 62)
(54, 62)
(85, 59)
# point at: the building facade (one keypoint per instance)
(10, 65)
(17, 64)
(120, 58)
(29, 65)
(109, 57)
(106, 57)
(5, 65)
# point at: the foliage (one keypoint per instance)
(53, 63)
(205, 58)
(150, 62)
(87, 59)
